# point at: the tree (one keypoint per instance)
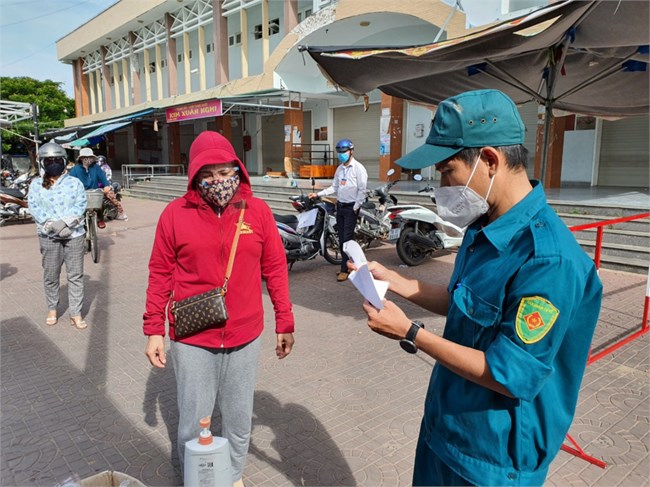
(54, 107)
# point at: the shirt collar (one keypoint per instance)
(351, 163)
(501, 230)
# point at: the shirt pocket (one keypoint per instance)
(480, 317)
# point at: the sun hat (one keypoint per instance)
(86, 152)
(477, 118)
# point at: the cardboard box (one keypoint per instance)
(109, 478)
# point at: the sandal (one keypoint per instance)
(51, 319)
(78, 323)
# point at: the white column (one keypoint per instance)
(243, 16)
(265, 32)
(202, 74)
(126, 86)
(159, 79)
(116, 85)
(186, 62)
(147, 75)
(98, 87)
(91, 86)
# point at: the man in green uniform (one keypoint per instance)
(522, 305)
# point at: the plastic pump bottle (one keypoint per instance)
(207, 460)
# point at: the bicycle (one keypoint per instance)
(95, 199)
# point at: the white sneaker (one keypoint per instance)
(122, 216)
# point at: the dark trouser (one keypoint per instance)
(430, 470)
(346, 220)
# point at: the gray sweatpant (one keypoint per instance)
(54, 254)
(227, 376)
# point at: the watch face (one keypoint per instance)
(408, 346)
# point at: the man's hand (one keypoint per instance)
(284, 345)
(378, 271)
(311, 196)
(155, 351)
(390, 321)
(107, 189)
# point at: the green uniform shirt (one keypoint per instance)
(525, 293)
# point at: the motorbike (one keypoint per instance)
(109, 210)
(311, 233)
(419, 232)
(375, 221)
(8, 177)
(13, 200)
(8, 173)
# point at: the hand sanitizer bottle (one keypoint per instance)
(207, 460)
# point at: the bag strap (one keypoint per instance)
(233, 250)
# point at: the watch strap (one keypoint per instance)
(413, 330)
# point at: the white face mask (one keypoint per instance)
(461, 205)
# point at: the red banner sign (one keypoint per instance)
(211, 108)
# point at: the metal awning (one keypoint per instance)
(64, 132)
(263, 103)
(91, 137)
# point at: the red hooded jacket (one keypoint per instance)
(191, 249)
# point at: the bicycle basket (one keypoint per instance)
(95, 199)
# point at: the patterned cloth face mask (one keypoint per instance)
(219, 192)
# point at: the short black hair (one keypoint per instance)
(516, 155)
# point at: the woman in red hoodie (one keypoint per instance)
(190, 254)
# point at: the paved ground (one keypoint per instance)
(344, 409)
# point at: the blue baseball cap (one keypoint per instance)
(478, 118)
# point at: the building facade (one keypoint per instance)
(149, 75)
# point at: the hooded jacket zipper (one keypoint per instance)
(219, 209)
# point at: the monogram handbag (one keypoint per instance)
(206, 310)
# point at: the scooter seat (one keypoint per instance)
(16, 193)
(290, 220)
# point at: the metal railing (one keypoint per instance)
(318, 154)
(575, 449)
(599, 226)
(132, 173)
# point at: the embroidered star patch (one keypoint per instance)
(535, 317)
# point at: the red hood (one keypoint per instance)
(213, 148)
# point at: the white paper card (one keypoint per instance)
(307, 218)
(370, 288)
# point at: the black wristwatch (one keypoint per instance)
(408, 342)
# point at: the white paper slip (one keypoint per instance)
(370, 288)
(307, 218)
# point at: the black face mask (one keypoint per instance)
(54, 168)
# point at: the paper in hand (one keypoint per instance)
(370, 288)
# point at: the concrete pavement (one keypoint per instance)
(343, 409)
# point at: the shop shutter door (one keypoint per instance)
(362, 128)
(624, 153)
(272, 143)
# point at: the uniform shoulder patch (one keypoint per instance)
(535, 317)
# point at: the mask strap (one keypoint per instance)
(472, 173)
(489, 189)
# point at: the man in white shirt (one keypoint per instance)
(350, 181)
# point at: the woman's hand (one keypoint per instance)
(155, 351)
(284, 345)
